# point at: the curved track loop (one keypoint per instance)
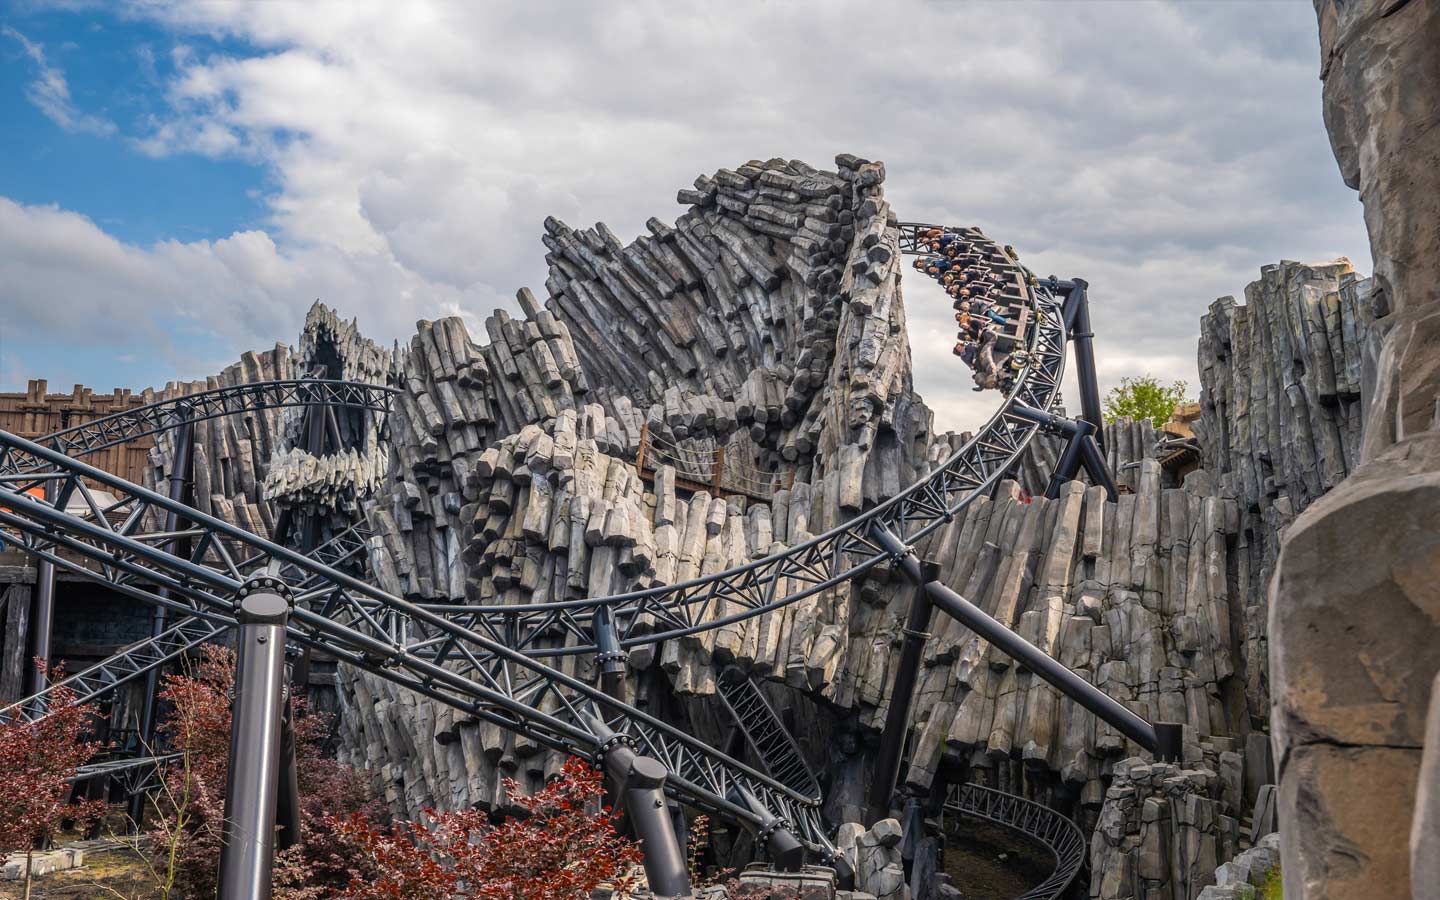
(132, 424)
(1057, 832)
(483, 660)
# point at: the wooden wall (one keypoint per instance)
(37, 412)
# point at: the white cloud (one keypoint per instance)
(1163, 152)
(50, 93)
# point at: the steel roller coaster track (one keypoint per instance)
(488, 661)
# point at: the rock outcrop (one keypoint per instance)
(560, 456)
(1164, 829)
(1281, 381)
(1353, 612)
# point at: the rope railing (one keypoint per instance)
(716, 469)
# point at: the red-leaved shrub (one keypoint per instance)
(560, 847)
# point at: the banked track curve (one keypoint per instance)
(485, 660)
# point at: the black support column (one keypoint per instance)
(902, 694)
(247, 854)
(1080, 450)
(42, 616)
(182, 477)
(639, 782)
(1077, 328)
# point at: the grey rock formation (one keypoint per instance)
(1244, 876)
(1352, 612)
(1162, 832)
(515, 475)
(1281, 381)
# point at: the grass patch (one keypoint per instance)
(1273, 888)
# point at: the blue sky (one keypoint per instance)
(115, 70)
(180, 181)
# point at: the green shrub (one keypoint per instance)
(1272, 888)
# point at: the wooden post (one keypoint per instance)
(719, 467)
(640, 454)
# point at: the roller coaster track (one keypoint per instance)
(762, 729)
(1057, 832)
(487, 660)
(191, 631)
(132, 424)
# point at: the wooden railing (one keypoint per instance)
(707, 469)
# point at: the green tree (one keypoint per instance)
(1144, 398)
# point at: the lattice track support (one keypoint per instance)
(902, 698)
(254, 778)
(1163, 740)
(182, 479)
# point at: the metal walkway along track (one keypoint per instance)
(487, 661)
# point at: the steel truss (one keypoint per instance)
(94, 683)
(482, 677)
(1056, 831)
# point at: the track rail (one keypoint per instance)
(143, 421)
(1057, 832)
(191, 631)
(499, 684)
(763, 730)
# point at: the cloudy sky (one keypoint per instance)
(179, 181)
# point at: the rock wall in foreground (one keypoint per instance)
(1354, 631)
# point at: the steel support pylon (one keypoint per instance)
(897, 717)
(42, 619)
(182, 475)
(639, 782)
(252, 783)
(1162, 740)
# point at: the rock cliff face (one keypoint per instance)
(1354, 641)
(1281, 382)
(768, 321)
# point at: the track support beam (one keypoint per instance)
(1163, 740)
(897, 718)
(1076, 311)
(1081, 450)
(182, 476)
(639, 781)
(786, 852)
(247, 854)
(608, 655)
(42, 616)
